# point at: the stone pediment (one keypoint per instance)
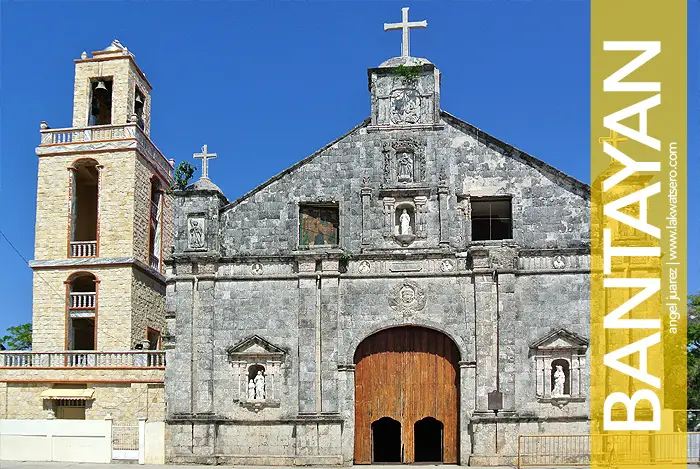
(561, 339)
(255, 347)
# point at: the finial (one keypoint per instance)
(83, 55)
(205, 157)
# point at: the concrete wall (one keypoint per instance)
(56, 440)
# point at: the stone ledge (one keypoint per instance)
(68, 263)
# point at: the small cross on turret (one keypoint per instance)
(205, 157)
(405, 26)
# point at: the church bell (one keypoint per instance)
(101, 86)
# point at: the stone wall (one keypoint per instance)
(125, 402)
(147, 305)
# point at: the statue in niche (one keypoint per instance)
(251, 390)
(559, 380)
(259, 385)
(405, 223)
(405, 169)
(196, 234)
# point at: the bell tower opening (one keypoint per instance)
(82, 304)
(101, 101)
(84, 204)
(139, 101)
(386, 440)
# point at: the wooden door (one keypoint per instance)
(406, 374)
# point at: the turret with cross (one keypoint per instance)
(405, 26)
(205, 157)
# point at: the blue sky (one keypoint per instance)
(267, 83)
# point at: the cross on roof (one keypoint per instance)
(612, 139)
(205, 157)
(405, 27)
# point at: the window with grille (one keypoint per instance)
(491, 218)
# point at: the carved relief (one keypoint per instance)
(407, 297)
(405, 106)
(257, 268)
(447, 265)
(364, 267)
(195, 233)
(404, 161)
(559, 262)
(256, 366)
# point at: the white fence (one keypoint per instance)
(94, 441)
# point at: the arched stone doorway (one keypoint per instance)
(409, 375)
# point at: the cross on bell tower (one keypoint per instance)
(405, 26)
(205, 157)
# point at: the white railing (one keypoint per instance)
(98, 133)
(154, 262)
(82, 300)
(106, 133)
(83, 248)
(84, 359)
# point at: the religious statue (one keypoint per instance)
(559, 379)
(260, 385)
(405, 172)
(251, 390)
(405, 223)
(196, 235)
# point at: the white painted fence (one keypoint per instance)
(95, 441)
(56, 440)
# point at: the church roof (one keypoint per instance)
(203, 184)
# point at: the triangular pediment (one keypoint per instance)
(254, 346)
(560, 339)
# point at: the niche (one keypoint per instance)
(560, 378)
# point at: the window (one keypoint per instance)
(154, 233)
(318, 225)
(101, 102)
(85, 177)
(491, 219)
(153, 337)
(139, 101)
(82, 311)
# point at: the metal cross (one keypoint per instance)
(612, 139)
(405, 27)
(205, 157)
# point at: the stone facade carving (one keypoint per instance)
(257, 368)
(559, 361)
(404, 161)
(257, 268)
(195, 233)
(558, 262)
(364, 267)
(405, 106)
(407, 297)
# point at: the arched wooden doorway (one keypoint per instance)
(406, 374)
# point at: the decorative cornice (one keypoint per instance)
(71, 263)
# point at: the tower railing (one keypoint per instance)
(83, 359)
(83, 248)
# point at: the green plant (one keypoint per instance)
(18, 337)
(183, 174)
(408, 72)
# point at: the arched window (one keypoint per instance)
(82, 311)
(154, 232)
(84, 208)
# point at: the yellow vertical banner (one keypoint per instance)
(638, 232)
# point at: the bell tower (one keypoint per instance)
(104, 217)
(110, 88)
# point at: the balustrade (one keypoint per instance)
(84, 359)
(82, 300)
(83, 248)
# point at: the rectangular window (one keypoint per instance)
(491, 218)
(153, 337)
(318, 225)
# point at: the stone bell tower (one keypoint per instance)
(104, 218)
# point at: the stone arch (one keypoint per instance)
(462, 346)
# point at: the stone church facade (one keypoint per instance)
(416, 290)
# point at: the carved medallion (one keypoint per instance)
(559, 262)
(447, 265)
(364, 267)
(407, 297)
(257, 268)
(405, 106)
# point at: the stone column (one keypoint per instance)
(179, 379)
(346, 391)
(365, 195)
(308, 292)
(443, 195)
(203, 342)
(329, 335)
(506, 336)
(485, 299)
(389, 216)
(467, 371)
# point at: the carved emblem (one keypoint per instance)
(195, 233)
(364, 268)
(559, 262)
(407, 297)
(405, 106)
(447, 266)
(257, 268)
(404, 160)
